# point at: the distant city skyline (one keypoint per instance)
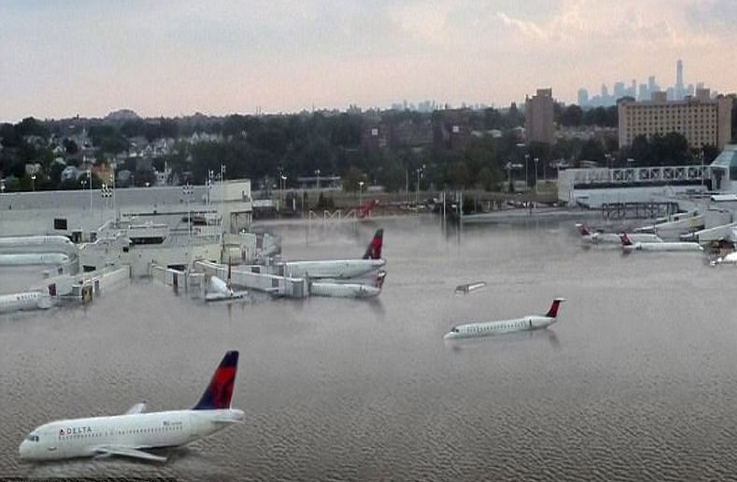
(83, 57)
(640, 91)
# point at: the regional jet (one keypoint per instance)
(491, 328)
(135, 432)
(599, 237)
(628, 245)
(340, 269)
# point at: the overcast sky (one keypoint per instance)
(88, 57)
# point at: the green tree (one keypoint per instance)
(352, 178)
(486, 179)
(460, 174)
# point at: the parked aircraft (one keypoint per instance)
(28, 259)
(348, 290)
(628, 245)
(30, 300)
(219, 290)
(598, 237)
(491, 328)
(340, 269)
(135, 432)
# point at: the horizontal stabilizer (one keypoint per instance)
(139, 407)
(128, 452)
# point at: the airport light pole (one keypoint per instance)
(536, 161)
(187, 192)
(33, 182)
(508, 167)
(417, 190)
(89, 176)
(112, 181)
(317, 173)
(360, 193)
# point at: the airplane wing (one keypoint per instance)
(139, 407)
(128, 452)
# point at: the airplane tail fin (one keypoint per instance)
(582, 229)
(220, 390)
(553, 311)
(374, 248)
(625, 239)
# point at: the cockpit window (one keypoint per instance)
(32, 438)
(454, 330)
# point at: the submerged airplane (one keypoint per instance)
(628, 245)
(32, 259)
(491, 328)
(340, 269)
(730, 258)
(348, 290)
(30, 300)
(135, 432)
(613, 238)
(219, 290)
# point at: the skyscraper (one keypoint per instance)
(680, 90)
(583, 97)
(539, 117)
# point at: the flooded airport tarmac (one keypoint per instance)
(636, 380)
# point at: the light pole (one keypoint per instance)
(417, 191)
(89, 176)
(105, 194)
(317, 173)
(187, 192)
(701, 155)
(536, 160)
(283, 182)
(360, 193)
(112, 181)
(33, 182)
(508, 167)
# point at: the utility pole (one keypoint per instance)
(187, 192)
(89, 176)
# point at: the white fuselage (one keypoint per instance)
(87, 437)
(677, 246)
(334, 269)
(731, 258)
(343, 290)
(491, 328)
(32, 259)
(218, 290)
(611, 238)
(30, 300)
(37, 244)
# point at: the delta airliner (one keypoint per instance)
(135, 432)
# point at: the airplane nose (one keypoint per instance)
(239, 415)
(23, 450)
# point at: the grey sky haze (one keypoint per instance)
(59, 59)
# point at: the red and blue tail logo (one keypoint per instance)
(220, 390)
(625, 239)
(553, 311)
(374, 248)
